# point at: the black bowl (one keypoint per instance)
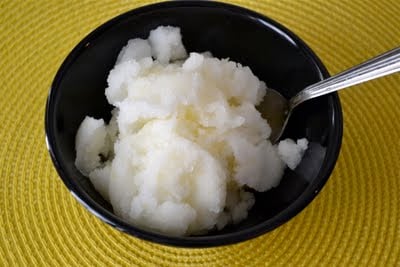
(274, 54)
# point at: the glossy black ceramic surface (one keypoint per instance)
(273, 53)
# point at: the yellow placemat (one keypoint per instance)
(355, 220)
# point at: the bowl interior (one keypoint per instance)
(274, 55)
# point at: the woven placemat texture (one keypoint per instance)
(354, 221)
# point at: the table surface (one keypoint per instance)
(354, 221)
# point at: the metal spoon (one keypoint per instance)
(277, 109)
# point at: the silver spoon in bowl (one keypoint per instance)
(277, 109)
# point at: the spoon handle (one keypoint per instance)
(376, 67)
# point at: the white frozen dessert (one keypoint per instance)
(185, 140)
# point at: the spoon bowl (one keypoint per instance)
(276, 109)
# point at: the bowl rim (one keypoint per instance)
(195, 241)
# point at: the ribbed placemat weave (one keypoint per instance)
(354, 221)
